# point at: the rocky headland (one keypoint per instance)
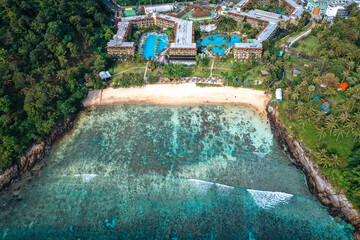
(336, 201)
(36, 152)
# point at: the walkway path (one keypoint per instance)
(304, 59)
(146, 67)
(212, 66)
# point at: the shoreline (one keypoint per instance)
(178, 94)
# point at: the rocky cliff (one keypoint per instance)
(336, 201)
(36, 152)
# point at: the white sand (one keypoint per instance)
(178, 94)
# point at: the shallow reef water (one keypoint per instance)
(166, 172)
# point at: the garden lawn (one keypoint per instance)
(308, 45)
(201, 72)
(122, 66)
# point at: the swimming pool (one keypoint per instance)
(219, 39)
(150, 43)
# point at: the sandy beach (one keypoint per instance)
(178, 94)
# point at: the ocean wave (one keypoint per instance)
(260, 154)
(205, 186)
(86, 177)
(268, 199)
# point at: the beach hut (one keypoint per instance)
(278, 94)
(342, 86)
(296, 73)
(105, 75)
(264, 73)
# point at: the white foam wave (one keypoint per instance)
(267, 199)
(260, 154)
(86, 177)
(204, 186)
(201, 185)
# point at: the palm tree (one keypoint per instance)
(330, 92)
(351, 65)
(287, 93)
(345, 75)
(311, 89)
(336, 160)
(322, 133)
(311, 112)
(266, 54)
(339, 132)
(330, 125)
(350, 127)
(300, 107)
(319, 117)
(344, 117)
(317, 80)
(356, 134)
(295, 96)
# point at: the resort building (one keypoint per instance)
(118, 46)
(330, 9)
(247, 49)
(295, 11)
(338, 8)
(183, 49)
(139, 21)
(316, 7)
(158, 9)
(268, 22)
(268, 25)
(166, 21)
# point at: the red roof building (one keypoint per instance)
(342, 86)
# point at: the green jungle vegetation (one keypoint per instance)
(143, 2)
(269, 6)
(47, 49)
(137, 32)
(227, 25)
(334, 138)
(174, 71)
(129, 80)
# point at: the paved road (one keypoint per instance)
(303, 34)
(111, 6)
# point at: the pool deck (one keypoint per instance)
(143, 40)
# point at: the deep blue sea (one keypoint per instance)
(165, 172)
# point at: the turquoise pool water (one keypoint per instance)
(149, 45)
(159, 172)
(217, 40)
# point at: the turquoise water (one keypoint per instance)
(158, 172)
(219, 39)
(149, 45)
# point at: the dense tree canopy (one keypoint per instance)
(333, 136)
(46, 47)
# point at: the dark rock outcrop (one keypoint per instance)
(36, 152)
(336, 201)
